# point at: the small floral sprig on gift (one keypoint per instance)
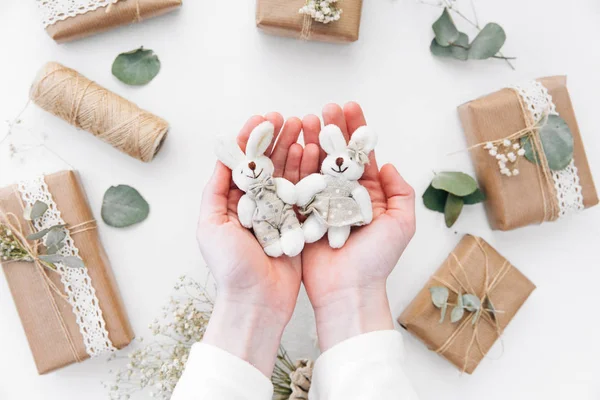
(291, 380)
(324, 11)
(13, 247)
(464, 302)
(449, 192)
(450, 42)
(507, 152)
(156, 367)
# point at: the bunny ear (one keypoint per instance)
(228, 152)
(260, 138)
(364, 138)
(332, 139)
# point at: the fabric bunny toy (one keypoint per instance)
(267, 206)
(334, 200)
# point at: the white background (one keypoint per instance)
(218, 69)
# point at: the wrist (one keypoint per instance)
(249, 332)
(352, 312)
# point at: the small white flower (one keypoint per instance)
(506, 143)
(515, 172)
(488, 146)
(516, 146)
(493, 152)
(521, 152)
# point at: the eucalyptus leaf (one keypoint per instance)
(52, 258)
(73, 262)
(38, 209)
(557, 142)
(439, 50)
(456, 314)
(439, 295)
(443, 314)
(458, 49)
(55, 248)
(435, 199)
(136, 67)
(123, 206)
(471, 302)
(43, 232)
(453, 208)
(55, 236)
(488, 42)
(490, 307)
(474, 198)
(475, 317)
(445, 30)
(457, 183)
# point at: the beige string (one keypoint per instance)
(86, 105)
(138, 14)
(306, 27)
(488, 287)
(544, 173)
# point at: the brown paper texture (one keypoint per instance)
(518, 201)
(281, 17)
(121, 13)
(40, 309)
(421, 317)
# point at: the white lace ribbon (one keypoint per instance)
(566, 181)
(77, 282)
(59, 10)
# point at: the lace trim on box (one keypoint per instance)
(77, 283)
(566, 181)
(59, 10)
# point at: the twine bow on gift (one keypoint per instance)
(480, 316)
(544, 173)
(258, 190)
(358, 154)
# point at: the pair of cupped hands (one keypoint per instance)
(347, 287)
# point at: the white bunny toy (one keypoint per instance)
(267, 206)
(334, 200)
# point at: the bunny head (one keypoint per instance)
(253, 166)
(346, 160)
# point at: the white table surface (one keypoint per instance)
(218, 69)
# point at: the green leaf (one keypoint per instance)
(55, 236)
(474, 198)
(55, 248)
(454, 206)
(38, 209)
(443, 315)
(43, 232)
(438, 50)
(435, 199)
(123, 206)
(489, 306)
(475, 317)
(445, 30)
(471, 302)
(52, 258)
(73, 262)
(439, 295)
(557, 141)
(458, 310)
(136, 67)
(457, 49)
(488, 42)
(457, 183)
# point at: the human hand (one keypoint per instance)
(347, 286)
(256, 293)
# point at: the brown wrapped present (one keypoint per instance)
(474, 267)
(282, 17)
(72, 313)
(537, 194)
(121, 12)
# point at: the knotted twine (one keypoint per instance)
(11, 221)
(301, 379)
(84, 104)
(466, 287)
(138, 14)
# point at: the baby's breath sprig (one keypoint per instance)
(11, 249)
(324, 11)
(156, 367)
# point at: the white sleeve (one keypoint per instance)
(212, 373)
(365, 367)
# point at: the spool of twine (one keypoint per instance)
(84, 104)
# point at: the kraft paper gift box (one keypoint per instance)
(532, 196)
(53, 330)
(282, 17)
(463, 343)
(80, 24)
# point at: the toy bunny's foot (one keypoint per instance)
(313, 229)
(292, 242)
(338, 236)
(274, 250)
